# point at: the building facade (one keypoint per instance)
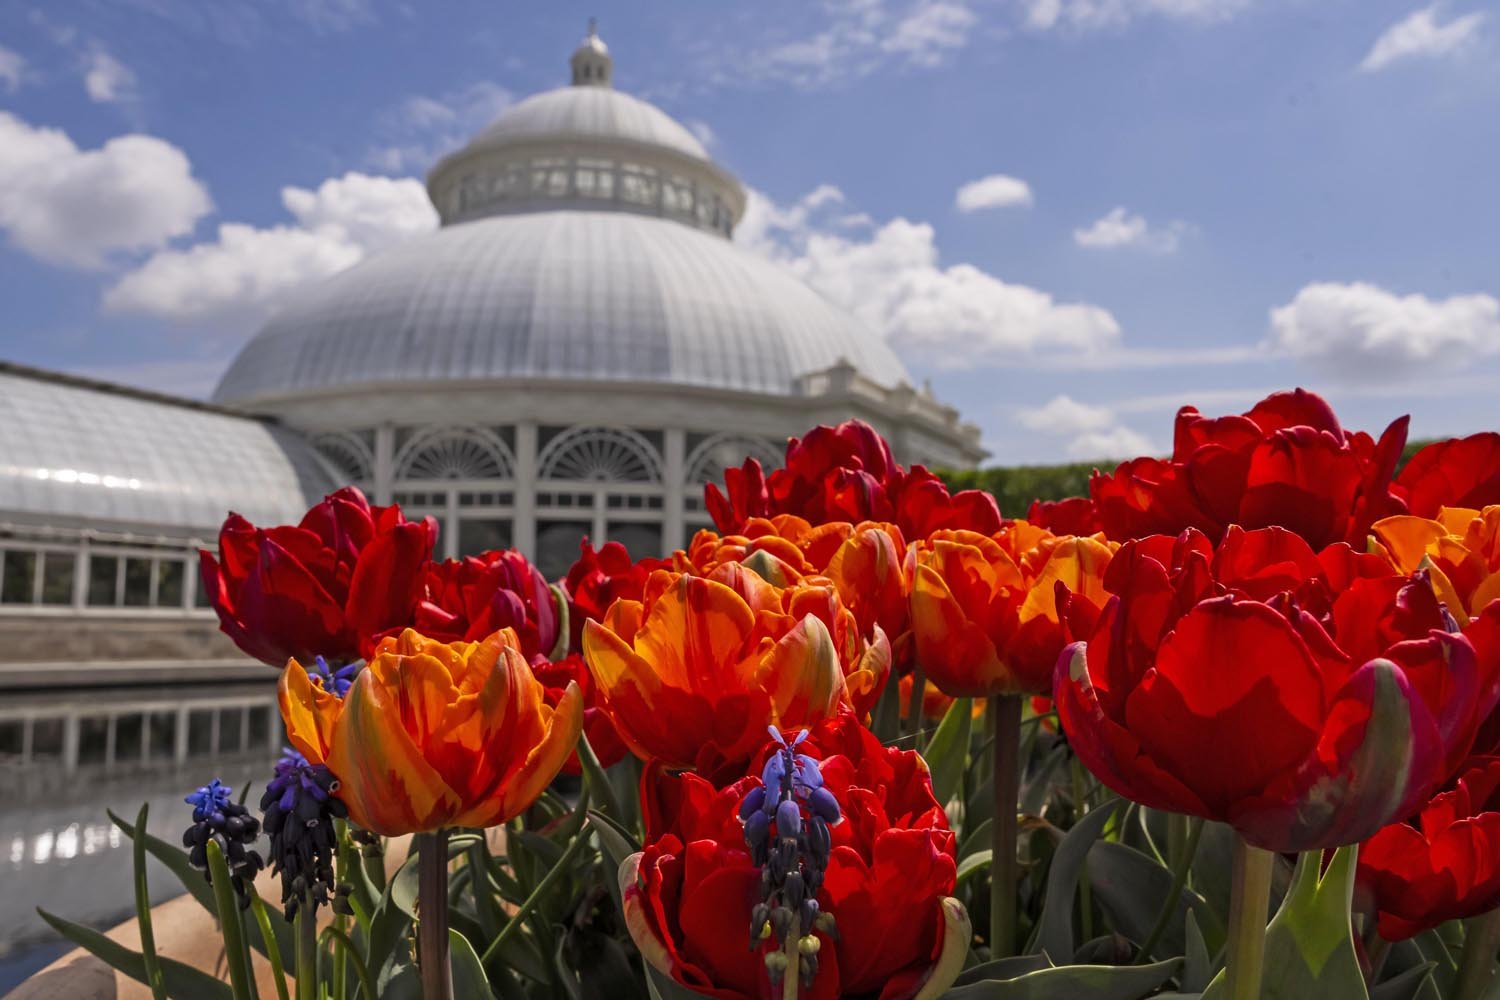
(576, 350)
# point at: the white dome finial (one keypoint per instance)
(592, 66)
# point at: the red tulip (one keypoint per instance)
(1286, 463)
(1334, 702)
(1441, 866)
(468, 599)
(329, 586)
(1073, 516)
(603, 738)
(886, 882)
(1461, 472)
(598, 579)
(847, 474)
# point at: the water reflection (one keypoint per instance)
(58, 848)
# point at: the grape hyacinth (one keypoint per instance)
(336, 681)
(299, 809)
(218, 817)
(786, 821)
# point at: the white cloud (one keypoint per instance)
(856, 37)
(1420, 35)
(994, 191)
(1092, 432)
(106, 79)
(1120, 228)
(929, 32)
(12, 69)
(245, 269)
(1044, 15)
(421, 129)
(892, 280)
(1361, 329)
(77, 207)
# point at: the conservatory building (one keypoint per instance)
(575, 351)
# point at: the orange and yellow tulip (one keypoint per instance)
(984, 608)
(434, 734)
(1460, 549)
(693, 673)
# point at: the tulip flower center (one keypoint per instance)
(786, 819)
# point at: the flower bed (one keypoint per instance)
(871, 739)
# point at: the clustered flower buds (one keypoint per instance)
(299, 807)
(786, 820)
(339, 680)
(218, 817)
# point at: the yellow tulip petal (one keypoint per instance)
(802, 674)
(308, 712)
(561, 727)
(1407, 538)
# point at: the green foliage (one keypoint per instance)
(1015, 487)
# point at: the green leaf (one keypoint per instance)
(948, 754)
(666, 988)
(1054, 933)
(1036, 789)
(182, 982)
(973, 864)
(1198, 967)
(1132, 887)
(149, 961)
(1407, 986)
(175, 860)
(1310, 941)
(1002, 968)
(597, 782)
(469, 979)
(1074, 982)
(976, 836)
(615, 845)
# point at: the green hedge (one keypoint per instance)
(1015, 486)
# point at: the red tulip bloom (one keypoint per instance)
(1073, 516)
(599, 578)
(471, 598)
(1286, 463)
(1441, 866)
(603, 738)
(1334, 702)
(883, 878)
(847, 474)
(1461, 472)
(328, 586)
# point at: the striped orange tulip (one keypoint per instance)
(693, 673)
(435, 734)
(984, 608)
(1460, 549)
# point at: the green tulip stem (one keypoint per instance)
(432, 915)
(1005, 716)
(790, 979)
(307, 949)
(1476, 969)
(1085, 886)
(915, 718)
(149, 957)
(340, 922)
(1249, 905)
(1182, 862)
(268, 938)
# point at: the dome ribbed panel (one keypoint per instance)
(592, 296)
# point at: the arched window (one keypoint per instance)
(349, 455)
(728, 449)
(463, 453)
(600, 455)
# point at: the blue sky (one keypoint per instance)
(1069, 215)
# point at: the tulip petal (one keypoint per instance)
(389, 787)
(957, 930)
(1236, 676)
(308, 711)
(802, 674)
(562, 726)
(955, 652)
